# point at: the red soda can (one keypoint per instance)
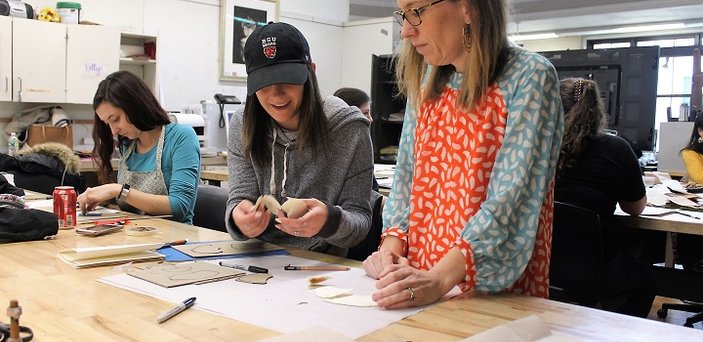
(65, 206)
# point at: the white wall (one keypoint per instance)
(362, 39)
(328, 10)
(325, 39)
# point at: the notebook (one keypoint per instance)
(110, 255)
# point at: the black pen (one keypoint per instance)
(176, 310)
(254, 269)
(688, 215)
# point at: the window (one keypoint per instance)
(675, 70)
(612, 45)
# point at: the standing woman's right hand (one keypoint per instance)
(379, 260)
(249, 221)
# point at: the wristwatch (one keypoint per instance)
(124, 192)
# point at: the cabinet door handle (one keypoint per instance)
(7, 87)
(19, 92)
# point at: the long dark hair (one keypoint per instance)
(312, 126)
(128, 92)
(695, 143)
(584, 119)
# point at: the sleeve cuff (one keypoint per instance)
(334, 215)
(469, 282)
(400, 234)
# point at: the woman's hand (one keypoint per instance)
(307, 225)
(92, 197)
(379, 260)
(402, 286)
(251, 222)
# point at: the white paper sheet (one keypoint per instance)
(286, 304)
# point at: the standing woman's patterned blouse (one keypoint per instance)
(483, 180)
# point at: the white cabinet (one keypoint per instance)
(59, 63)
(91, 54)
(38, 61)
(5, 58)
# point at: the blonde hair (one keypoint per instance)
(487, 55)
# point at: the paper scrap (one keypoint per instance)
(353, 300)
(331, 292)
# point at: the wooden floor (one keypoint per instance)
(674, 316)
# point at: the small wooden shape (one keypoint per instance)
(293, 207)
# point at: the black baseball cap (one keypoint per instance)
(276, 53)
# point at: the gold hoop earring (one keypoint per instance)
(467, 37)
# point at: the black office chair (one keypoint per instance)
(210, 205)
(577, 261)
(689, 254)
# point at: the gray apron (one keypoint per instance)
(151, 182)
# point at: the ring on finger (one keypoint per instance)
(296, 233)
(412, 293)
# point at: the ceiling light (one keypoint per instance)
(647, 28)
(524, 37)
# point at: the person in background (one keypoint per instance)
(159, 163)
(358, 98)
(692, 153)
(289, 142)
(471, 201)
(596, 171)
(688, 247)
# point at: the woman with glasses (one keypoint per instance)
(472, 198)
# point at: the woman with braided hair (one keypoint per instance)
(597, 170)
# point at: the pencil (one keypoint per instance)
(317, 268)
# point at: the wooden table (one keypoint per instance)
(214, 176)
(61, 303)
(671, 282)
(673, 223)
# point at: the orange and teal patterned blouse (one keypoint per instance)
(483, 180)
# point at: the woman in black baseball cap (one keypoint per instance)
(289, 142)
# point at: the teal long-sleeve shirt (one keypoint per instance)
(180, 164)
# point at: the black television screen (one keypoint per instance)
(627, 79)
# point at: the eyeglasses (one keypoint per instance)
(412, 15)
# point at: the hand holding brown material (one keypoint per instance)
(307, 225)
(293, 207)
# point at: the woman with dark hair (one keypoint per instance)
(159, 163)
(596, 171)
(288, 142)
(471, 201)
(357, 98)
(692, 154)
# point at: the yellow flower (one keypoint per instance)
(49, 14)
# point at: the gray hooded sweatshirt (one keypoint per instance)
(341, 178)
